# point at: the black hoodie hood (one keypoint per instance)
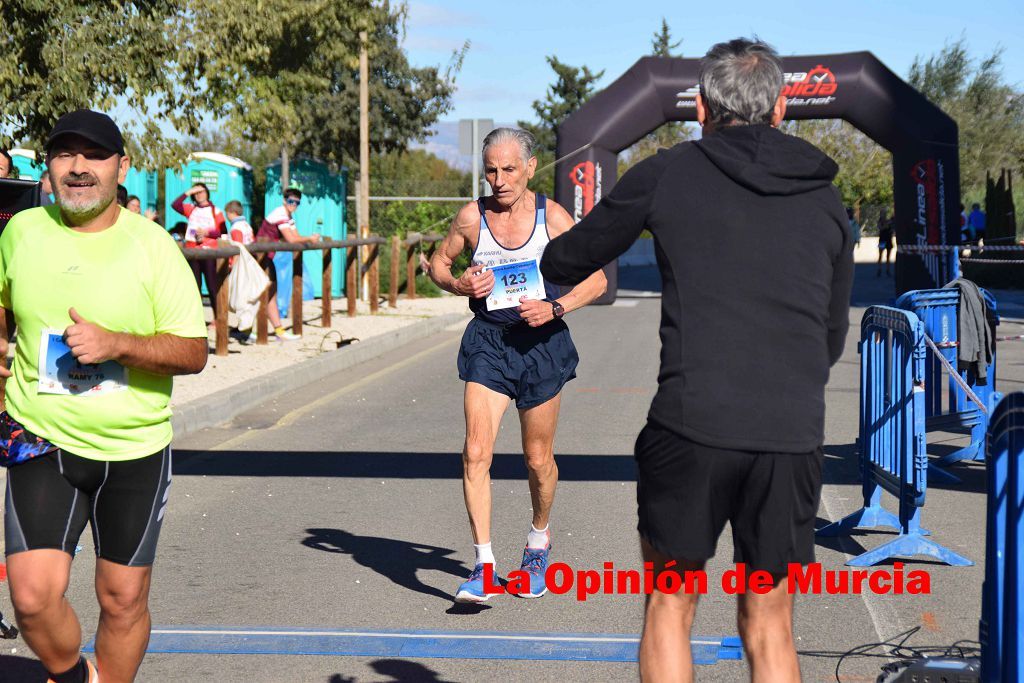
(767, 160)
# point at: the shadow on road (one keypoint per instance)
(870, 288)
(396, 560)
(388, 465)
(398, 671)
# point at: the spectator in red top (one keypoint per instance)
(279, 226)
(205, 225)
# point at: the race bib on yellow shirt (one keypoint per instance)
(61, 373)
(513, 281)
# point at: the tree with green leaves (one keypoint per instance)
(275, 72)
(404, 100)
(988, 111)
(669, 134)
(263, 62)
(661, 43)
(293, 81)
(573, 86)
(865, 167)
(113, 55)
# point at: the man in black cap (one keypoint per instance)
(755, 253)
(107, 311)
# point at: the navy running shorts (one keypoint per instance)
(52, 497)
(528, 364)
(687, 491)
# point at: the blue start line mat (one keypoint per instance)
(586, 647)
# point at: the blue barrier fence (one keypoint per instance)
(1002, 596)
(893, 455)
(947, 407)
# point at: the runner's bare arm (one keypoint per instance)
(471, 283)
(160, 354)
(292, 235)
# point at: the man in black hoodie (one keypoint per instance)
(755, 255)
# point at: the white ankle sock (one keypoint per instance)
(538, 538)
(484, 555)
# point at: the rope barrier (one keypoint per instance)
(956, 375)
(938, 248)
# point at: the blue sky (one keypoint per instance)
(505, 70)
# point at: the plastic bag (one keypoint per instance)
(246, 283)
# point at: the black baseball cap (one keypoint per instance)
(91, 125)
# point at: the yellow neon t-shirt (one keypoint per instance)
(129, 278)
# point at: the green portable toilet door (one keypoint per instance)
(142, 184)
(322, 211)
(228, 178)
(28, 167)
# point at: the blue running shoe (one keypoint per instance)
(535, 563)
(472, 589)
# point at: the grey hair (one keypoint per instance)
(740, 81)
(524, 138)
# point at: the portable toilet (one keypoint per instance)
(29, 165)
(142, 184)
(322, 211)
(227, 177)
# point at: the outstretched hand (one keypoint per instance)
(475, 282)
(89, 343)
(536, 312)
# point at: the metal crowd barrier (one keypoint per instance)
(1002, 596)
(947, 407)
(893, 453)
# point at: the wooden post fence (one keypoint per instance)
(261, 250)
(396, 260)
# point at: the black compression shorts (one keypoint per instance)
(50, 498)
(686, 492)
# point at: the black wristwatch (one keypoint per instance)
(556, 309)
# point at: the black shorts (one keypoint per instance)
(50, 498)
(528, 364)
(686, 492)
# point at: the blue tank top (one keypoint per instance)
(489, 252)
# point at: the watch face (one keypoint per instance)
(557, 310)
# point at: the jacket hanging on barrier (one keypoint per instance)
(246, 283)
(973, 331)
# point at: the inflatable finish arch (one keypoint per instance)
(852, 86)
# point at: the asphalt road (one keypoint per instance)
(338, 507)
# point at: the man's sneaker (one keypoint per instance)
(472, 589)
(535, 563)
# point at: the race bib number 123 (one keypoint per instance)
(512, 281)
